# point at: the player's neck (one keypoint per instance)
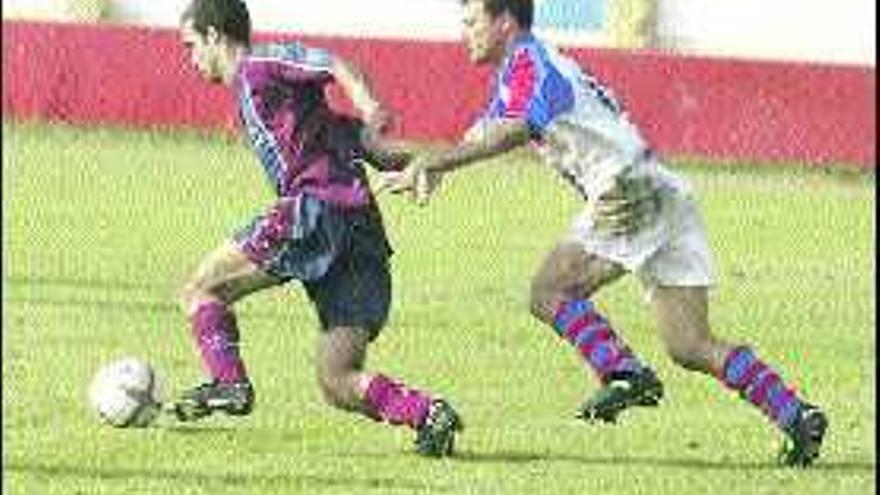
(235, 54)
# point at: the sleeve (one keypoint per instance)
(520, 84)
(291, 62)
(532, 90)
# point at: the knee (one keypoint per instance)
(537, 304)
(189, 295)
(543, 299)
(196, 291)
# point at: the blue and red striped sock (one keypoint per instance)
(216, 334)
(758, 383)
(578, 322)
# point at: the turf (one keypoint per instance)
(99, 227)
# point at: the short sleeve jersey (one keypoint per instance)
(578, 127)
(301, 143)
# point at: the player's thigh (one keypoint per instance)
(228, 274)
(684, 259)
(677, 279)
(354, 293)
(569, 270)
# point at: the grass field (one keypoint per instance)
(99, 226)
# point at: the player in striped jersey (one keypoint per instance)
(639, 217)
(324, 228)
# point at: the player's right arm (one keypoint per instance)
(392, 155)
(423, 174)
(517, 114)
(493, 137)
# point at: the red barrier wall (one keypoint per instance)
(720, 108)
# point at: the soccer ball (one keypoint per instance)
(126, 393)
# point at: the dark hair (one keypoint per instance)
(523, 11)
(229, 17)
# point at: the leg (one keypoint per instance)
(679, 275)
(235, 269)
(345, 385)
(223, 277)
(352, 301)
(566, 274)
(559, 297)
(341, 353)
(682, 317)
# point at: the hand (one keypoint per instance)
(629, 205)
(415, 179)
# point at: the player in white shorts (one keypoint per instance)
(639, 217)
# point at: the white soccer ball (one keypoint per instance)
(126, 393)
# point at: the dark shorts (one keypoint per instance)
(340, 256)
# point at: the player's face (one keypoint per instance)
(483, 35)
(204, 52)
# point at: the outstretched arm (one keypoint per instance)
(387, 155)
(488, 139)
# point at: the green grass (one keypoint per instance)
(99, 226)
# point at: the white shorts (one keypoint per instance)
(672, 251)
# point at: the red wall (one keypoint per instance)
(720, 108)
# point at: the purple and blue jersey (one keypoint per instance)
(302, 144)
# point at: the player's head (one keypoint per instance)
(489, 25)
(213, 30)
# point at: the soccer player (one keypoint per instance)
(324, 229)
(639, 217)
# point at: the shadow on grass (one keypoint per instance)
(101, 304)
(199, 430)
(105, 304)
(510, 457)
(80, 283)
(279, 440)
(292, 479)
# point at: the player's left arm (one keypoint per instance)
(314, 63)
(359, 90)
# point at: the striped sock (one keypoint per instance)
(761, 385)
(578, 322)
(216, 334)
(395, 403)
